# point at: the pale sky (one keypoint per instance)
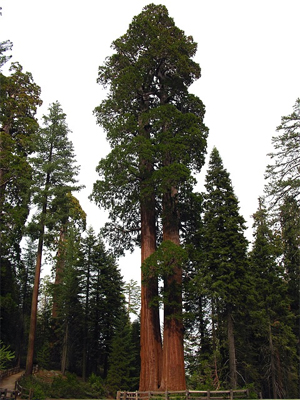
(250, 61)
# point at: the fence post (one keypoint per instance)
(231, 394)
(208, 395)
(166, 395)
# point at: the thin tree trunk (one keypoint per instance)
(214, 346)
(151, 346)
(59, 268)
(272, 361)
(173, 374)
(231, 346)
(35, 294)
(64, 358)
(85, 338)
(34, 306)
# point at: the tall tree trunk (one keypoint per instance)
(151, 346)
(214, 320)
(65, 347)
(173, 374)
(59, 268)
(231, 347)
(272, 363)
(34, 306)
(85, 338)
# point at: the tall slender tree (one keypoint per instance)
(19, 100)
(156, 131)
(225, 248)
(271, 311)
(54, 177)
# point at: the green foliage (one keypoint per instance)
(154, 126)
(283, 174)
(161, 262)
(68, 386)
(6, 355)
(121, 373)
(43, 356)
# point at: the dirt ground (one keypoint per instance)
(9, 382)
(46, 376)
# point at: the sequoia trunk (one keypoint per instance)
(173, 374)
(151, 347)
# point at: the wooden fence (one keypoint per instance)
(7, 372)
(6, 394)
(185, 395)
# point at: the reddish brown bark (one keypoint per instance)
(173, 373)
(34, 306)
(151, 347)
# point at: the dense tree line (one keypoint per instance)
(231, 308)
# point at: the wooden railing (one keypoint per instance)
(185, 395)
(6, 394)
(8, 372)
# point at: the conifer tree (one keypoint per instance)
(19, 100)
(273, 337)
(225, 252)
(122, 357)
(156, 131)
(283, 174)
(102, 291)
(54, 177)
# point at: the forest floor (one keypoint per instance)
(9, 382)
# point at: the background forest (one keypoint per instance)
(240, 299)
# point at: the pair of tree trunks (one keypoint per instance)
(162, 367)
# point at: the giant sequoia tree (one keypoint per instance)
(156, 131)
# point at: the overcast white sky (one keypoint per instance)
(250, 60)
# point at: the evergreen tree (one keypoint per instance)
(156, 131)
(54, 178)
(122, 358)
(283, 175)
(225, 255)
(273, 337)
(19, 99)
(290, 234)
(103, 302)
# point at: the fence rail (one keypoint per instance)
(6, 394)
(185, 395)
(7, 372)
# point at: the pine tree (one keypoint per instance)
(19, 100)
(283, 175)
(122, 358)
(54, 178)
(225, 253)
(156, 131)
(272, 320)
(103, 301)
